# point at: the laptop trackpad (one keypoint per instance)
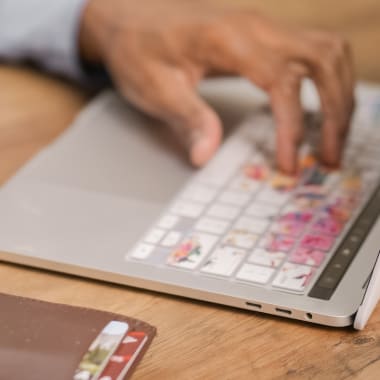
(114, 150)
(69, 225)
(96, 189)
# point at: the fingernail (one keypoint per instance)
(200, 151)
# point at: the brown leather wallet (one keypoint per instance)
(46, 341)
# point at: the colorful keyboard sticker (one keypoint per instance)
(256, 171)
(320, 242)
(293, 277)
(277, 242)
(254, 224)
(223, 261)
(292, 223)
(192, 251)
(304, 202)
(326, 225)
(245, 184)
(339, 209)
(282, 182)
(320, 181)
(308, 256)
(241, 239)
(267, 258)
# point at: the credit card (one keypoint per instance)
(124, 356)
(100, 351)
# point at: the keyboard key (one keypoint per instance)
(340, 207)
(214, 226)
(321, 181)
(142, 251)
(292, 223)
(244, 184)
(223, 261)
(269, 195)
(289, 227)
(267, 258)
(320, 242)
(233, 197)
(293, 277)
(282, 182)
(262, 210)
(303, 217)
(304, 202)
(327, 226)
(171, 239)
(154, 236)
(332, 179)
(276, 242)
(192, 251)
(253, 225)
(199, 193)
(307, 159)
(256, 171)
(222, 211)
(351, 183)
(187, 209)
(241, 239)
(168, 221)
(255, 273)
(307, 256)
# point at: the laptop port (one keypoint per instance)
(255, 305)
(283, 311)
(309, 316)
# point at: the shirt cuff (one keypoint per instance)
(45, 32)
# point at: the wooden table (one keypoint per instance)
(195, 340)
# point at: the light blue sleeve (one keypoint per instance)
(44, 32)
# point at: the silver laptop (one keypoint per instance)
(114, 199)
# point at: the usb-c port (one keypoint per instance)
(255, 305)
(283, 311)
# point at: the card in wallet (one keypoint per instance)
(45, 341)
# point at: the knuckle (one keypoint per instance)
(210, 33)
(297, 72)
(338, 46)
(291, 79)
(334, 49)
(328, 51)
(217, 35)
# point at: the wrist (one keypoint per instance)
(92, 26)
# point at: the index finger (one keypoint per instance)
(330, 74)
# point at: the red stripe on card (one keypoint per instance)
(126, 350)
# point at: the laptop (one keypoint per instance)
(114, 199)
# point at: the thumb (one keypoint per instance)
(171, 97)
(205, 130)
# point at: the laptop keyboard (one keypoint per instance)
(241, 220)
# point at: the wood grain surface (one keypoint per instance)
(195, 340)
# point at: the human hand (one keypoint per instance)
(157, 51)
